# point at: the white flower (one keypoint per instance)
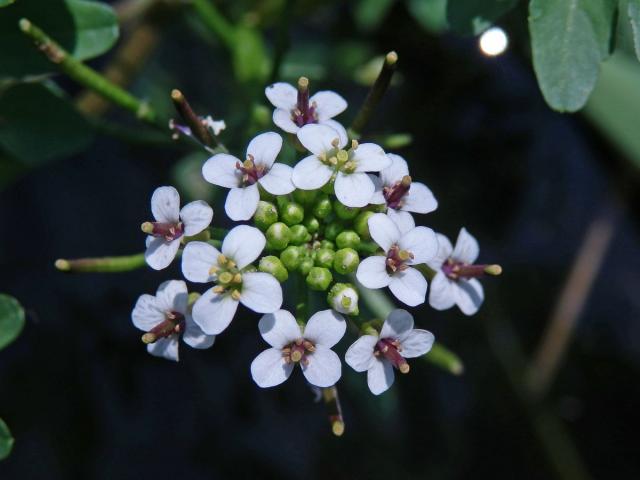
(455, 281)
(171, 224)
(402, 249)
(378, 355)
(294, 108)
(310, 347)
(166, 316)
(353, 186)
(395, 188)
(203, 263)
(242, 178)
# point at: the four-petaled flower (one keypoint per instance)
(164, 235)
(379, 354)
(243, 178)
(203, 263)
(310, 347)
(353, 187)
(164, 317)
(402, 249)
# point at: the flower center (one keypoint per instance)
(305, 112)
(455, 269)
(340, 159)
(173, 323)
(396, 259)
(168, 231)
(390, 349)
(298, 351)
(395, 193)
(250, 172)
(228, 277)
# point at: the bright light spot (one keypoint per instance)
(493, 42)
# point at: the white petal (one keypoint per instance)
(282, 95)
(147, 314)
(310, 173)
(282, 118)
(242, 203)
(372, 272)
(328, 104)
(213, 312)
(325, 328)
(261, 292)
(467, 248)
(442, 292)
(340, 130)
(269, 368)
(354, 189)
(324, 368)
(403, 220)
(194, 336)
(383, 230)
(221, 170)
(421, 242)
(265, 148)
(160, 253)
(278, 180)
(165, 205)
(318, 138)
(243, 244)
(360, 356)
(370, 157)
(409, 286)
(378, 197)
(419, 199)
(394, 172)
(398, 325)
(380, 376)
(165, 348)
(417, 343)
(469, 295)
(279, 328)
(172, 295)
(444, 252)
(196, 216)
(197, 260)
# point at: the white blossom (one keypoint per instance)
(165, 317)
(402, 249)
(243, 177)
(379, 354)
(203, 263)
(308, 346)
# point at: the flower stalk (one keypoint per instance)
(334, 409)
(191, 119)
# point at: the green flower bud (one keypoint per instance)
(312, 224)
(348, 238)
(305, 197)
(327, 244)
(266, 215)
(361, 225)
(305, 266)
(299, 235)
(291, 257)
(292, 213)
(343, 298)
(319, 278)
(278, 236)
(344, 212)
(346, 261)
(274, 266)
(322, 208)
(332, 230)
(324, 257)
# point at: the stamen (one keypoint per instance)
(214, 269)
(390, 349)
(455, 269)
(237, 278)
(147, 227)
(354, 144)
(173, 323)
(168, 231)
(335, 142)
(218, 289)
(222, 260)
(235, 294)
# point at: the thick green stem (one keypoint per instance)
(215, 21)
(103, 264)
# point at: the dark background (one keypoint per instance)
(84, 399)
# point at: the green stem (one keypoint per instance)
(216, 22)
(103, 264)
(87, 76)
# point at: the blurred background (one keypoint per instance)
(550, 387)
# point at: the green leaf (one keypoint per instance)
(11, 321)
(472, 17)
(369, 14)
(633, 10)
(250, 61)
(6, 440)
(86, 29)
(430, 14)
(4, 3)
(37, 125)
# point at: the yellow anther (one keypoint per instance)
(222, 260)
(493, 269)
(350, 166)
(333, 161)
(214, 269)
(354, 144)
(303, 83)
(149, 338)
(323, 157)
(218, 289)
(237, 278)
(248, 163)
(335, 142)
(296, 356)
(225, 277)
(404, 368)
(404, 255)
(235, 294)
(337, 427)
(406, 181)
(147, 227)
(231, 263)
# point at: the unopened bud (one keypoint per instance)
(361, 225)
(319, 278)
(311, 224)
(343, 298)
(322, 207)
(291, 257)
(348, 239)
(305, 266)
(346, 261)
(278, 236)
(272, 264)
(299, 235)
(324, 257)
(266, 215)
(305, 197)
(332, 230)
(344, 212)
(292, 213)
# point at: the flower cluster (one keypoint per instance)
(338, 221)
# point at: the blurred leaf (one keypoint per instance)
(305, 59)
(187, 174)
(86, 29)
(6, 440)
(250, 61)
(11, 320)
(369, 14)
(633, 11)
(430, 14)
(4, 3)
(36, 125)
(472, 17)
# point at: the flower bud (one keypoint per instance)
(348, 239)
(305, 266)
(361, 225)
(266, 215)
(305, 197)
(312, 224)
(292, 213)
(272, 264)
(322, 207)
(332, 230)
(324, 257)
(346, 261)
(327, 244)
(343, 298)
(299, 235)
(291, 257)
(319, 278)
(278, 236)
(344, 212)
